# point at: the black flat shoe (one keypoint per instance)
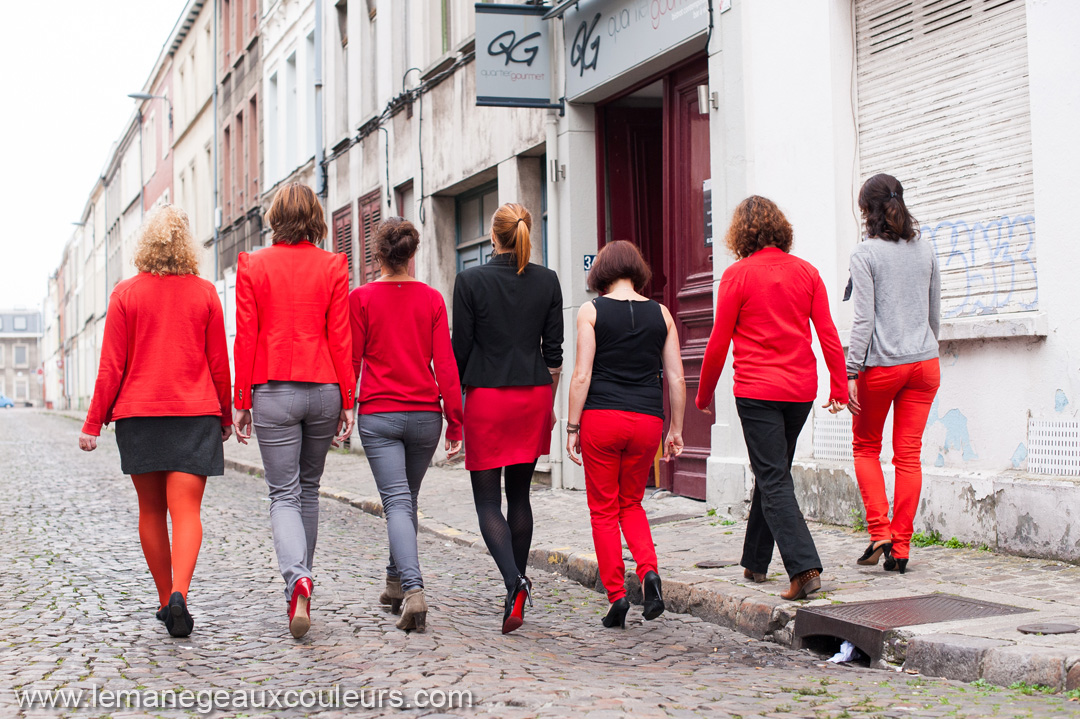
(873, 553)
(653, 596)
(616, 616)
(896, 564)
(178, 621)
(162, 613)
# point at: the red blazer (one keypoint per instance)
(292, 320)
(164, 352)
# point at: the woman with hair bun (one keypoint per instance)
(764, 306)
(892, 362)
(164, 380)
(408, 381)
(508, 333)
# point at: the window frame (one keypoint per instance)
(15, 357)
(463, 246)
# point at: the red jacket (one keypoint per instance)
(292, 320)
(399, 334)
(164, 353)
(765, 304)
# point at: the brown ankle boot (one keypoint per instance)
(759, 578)
(413, 611)
(392, 595)
(802, 584)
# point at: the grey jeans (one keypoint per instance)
(399, 447)
(295, 423)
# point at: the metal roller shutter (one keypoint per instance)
(943, 105)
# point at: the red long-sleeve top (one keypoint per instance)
(164, 353)
(402, 352)
(764, 305)
(292, 320)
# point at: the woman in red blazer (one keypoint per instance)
(164, 380)
(293, 355)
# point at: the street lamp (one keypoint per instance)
(148, 96)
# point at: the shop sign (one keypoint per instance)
(605, 38)
(513, 56)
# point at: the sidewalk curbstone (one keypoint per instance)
(951, 656)
(1005, 666)
(244, 467)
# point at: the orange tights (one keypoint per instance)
(180, 496)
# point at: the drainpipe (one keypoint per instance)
(320, 154)
(551, 141)
(214, 150)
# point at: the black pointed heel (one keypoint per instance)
(873, 553)
(652, 595)
(616, 616)
(514, 606)
(896, 564)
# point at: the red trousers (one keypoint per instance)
(909, 389)
(617, 449)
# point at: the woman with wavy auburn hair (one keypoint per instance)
(764, 306)
(164, 380)
(508, 333)
(293, 360)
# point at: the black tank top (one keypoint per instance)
(627, 368)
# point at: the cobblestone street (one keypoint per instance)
(77, 604)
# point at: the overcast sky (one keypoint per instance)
(67, 69)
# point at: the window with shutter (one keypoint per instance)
(342, 221)
(943, 105)
(370, 207)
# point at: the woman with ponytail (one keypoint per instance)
(892, 362)
(508, 333)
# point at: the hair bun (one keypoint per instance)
(396, 240)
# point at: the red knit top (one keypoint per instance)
(401, 350)
(764, 306)
(164, 353)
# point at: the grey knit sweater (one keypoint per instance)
(896, 291)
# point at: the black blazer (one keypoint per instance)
(508, 328)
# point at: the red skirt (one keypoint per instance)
(506, 425)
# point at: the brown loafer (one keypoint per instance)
(759, 578)
(802, 584)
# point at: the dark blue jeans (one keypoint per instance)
(771, 429)
(399, 447)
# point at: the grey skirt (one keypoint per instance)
(171, 444)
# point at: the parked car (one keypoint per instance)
(6, 402)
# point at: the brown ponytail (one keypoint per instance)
(511, 225)
(881, 200)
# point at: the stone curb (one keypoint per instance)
(949, 656)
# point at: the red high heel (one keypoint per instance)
(300, 608)
(514, 608)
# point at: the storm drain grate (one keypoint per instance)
(865, 624)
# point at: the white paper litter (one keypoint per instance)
(847, 653)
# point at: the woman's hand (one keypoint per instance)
(834, 406)
(344, 426)
(87, 442)
(673, 445)
(453, 449)
(242, 423)
(226, 432)
(853, 395)
(573, 447)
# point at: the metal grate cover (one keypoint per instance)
(1054, 447)
(865, 624)
(832, 437)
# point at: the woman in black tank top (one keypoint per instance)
(626, 346)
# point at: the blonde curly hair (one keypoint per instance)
(166, 246)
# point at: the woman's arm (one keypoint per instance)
(247, 332)
(111, 367)
(935, 296)
(462, 339)
(339, 335)
(673, 371)
(217, 356)
(552, 339)
(581, 379)
(446, 371)
(862, 300)
(830, 346)
(358, 323)
(728, 303)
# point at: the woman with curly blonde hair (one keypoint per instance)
(764, 306)
(164, 379)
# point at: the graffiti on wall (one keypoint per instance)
(986, 267)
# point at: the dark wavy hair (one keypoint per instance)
(618, 260)
(881, 200)
(758, 223)
(296, 215)
(396, 240)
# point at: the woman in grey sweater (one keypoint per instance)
(892, 362)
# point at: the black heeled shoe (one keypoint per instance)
(616, 616)
(162, 613)
(514, 607)
(178, 621)
(873, 553)
(652, 595)
(896, 564)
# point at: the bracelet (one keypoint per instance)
(573, 431)
(572, 427)
(853, 376)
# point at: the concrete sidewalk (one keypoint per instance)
(989, 648)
